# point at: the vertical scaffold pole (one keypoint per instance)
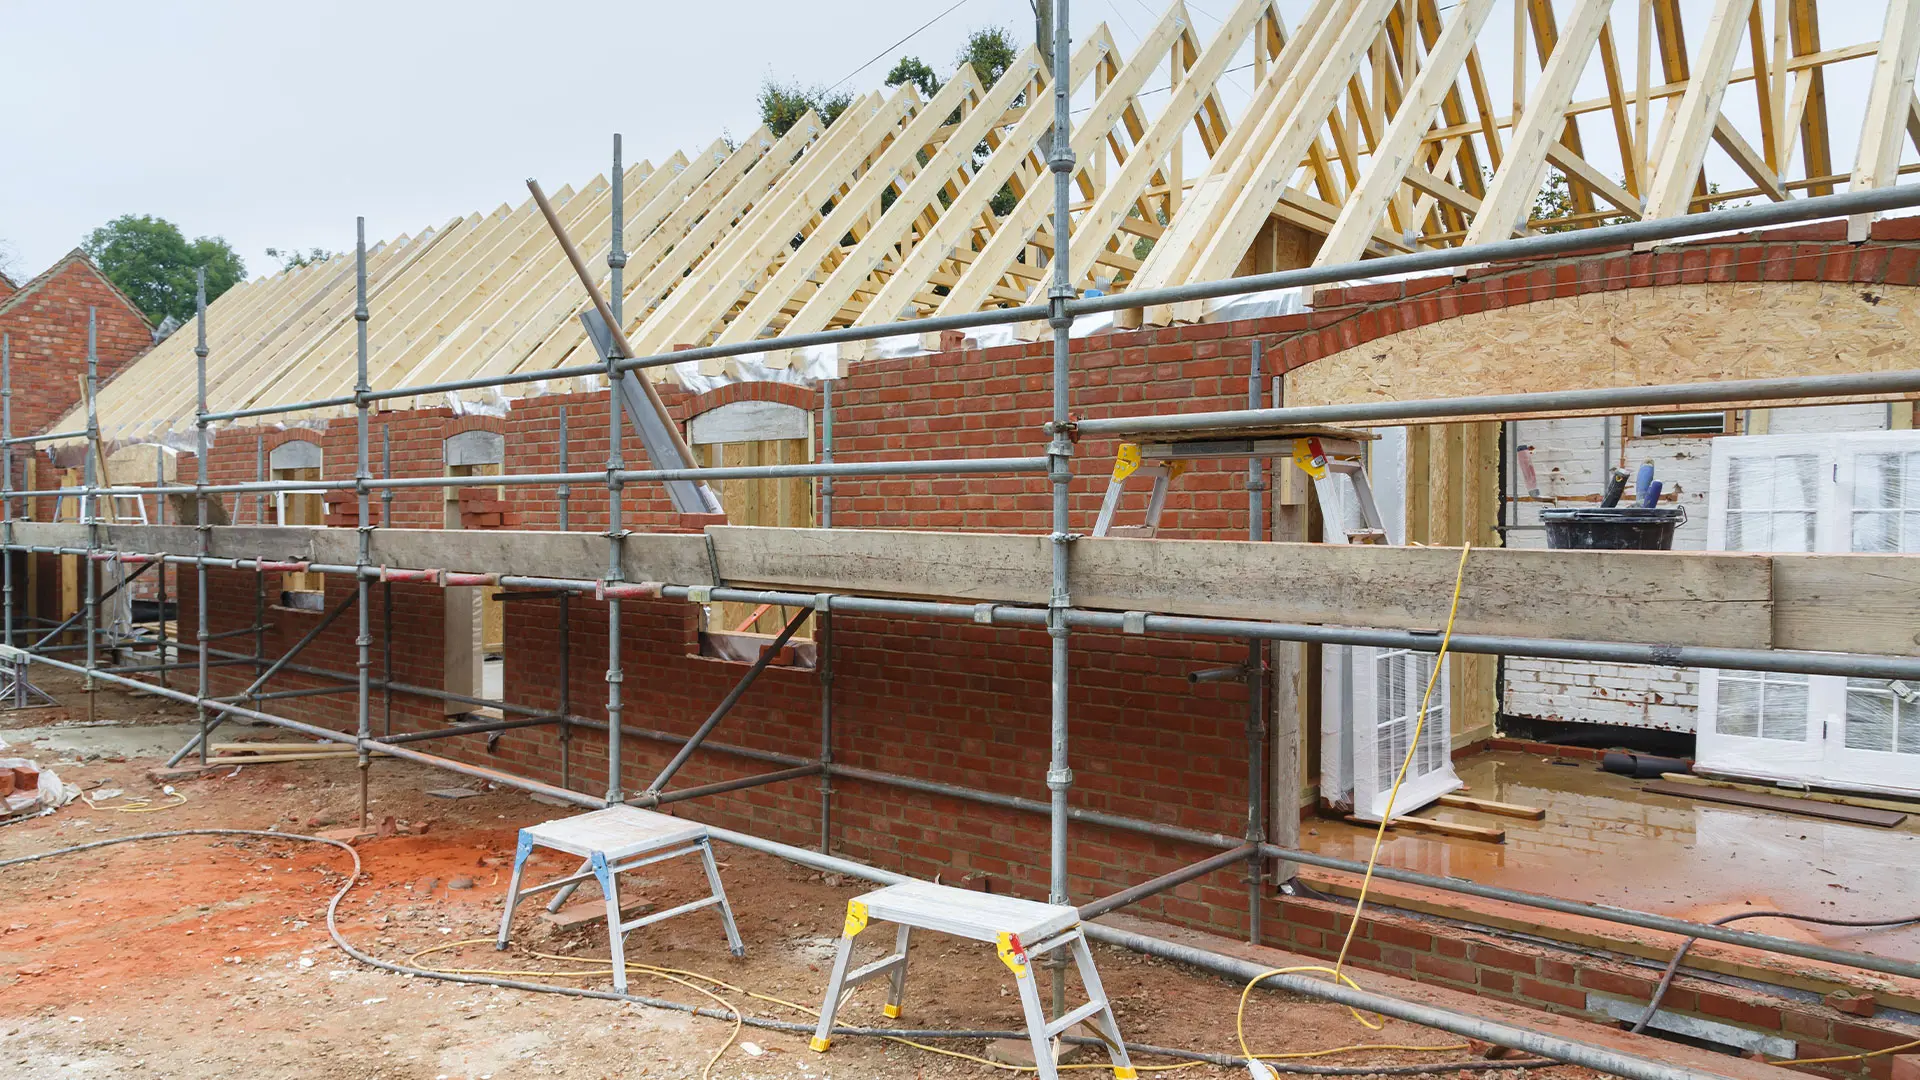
(92, 504)
(386, 587)
(823, 631)
(364, 641)
(1060, 473)
(259, 575)
(565, 708)
(1256, 676)
(616, 532)
(202, 530)
(160, 583)
(6, 469)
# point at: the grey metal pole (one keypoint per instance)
(92, 504)
(1060, 162)
(259, 575)
(6, 469)
(363, 642)
(202, 530)
(616, 532)
(823, 629)
(1256, 677)
(160, 579)
(726, 704)
(565, 495)
(386, 587)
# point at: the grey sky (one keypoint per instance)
(273, 124)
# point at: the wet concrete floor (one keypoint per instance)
(1604, 840)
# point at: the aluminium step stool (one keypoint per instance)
(613, 841)
(1020, 930)
(16, 688)
(1321, 452)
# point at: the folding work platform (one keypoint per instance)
(1323, 453)
(613, 841)
(1021, 930)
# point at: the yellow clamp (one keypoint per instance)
(890, 1011)
(1126, 1073)
(1013, 954)
(1314, 465)
(1127, 461)
(819, 1045)
(856, 918)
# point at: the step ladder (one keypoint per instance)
(1324, 454)
(16, 689)
(611, 842)
(1020, 931)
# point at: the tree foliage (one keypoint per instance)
(294, 258)
(915, 70)
(153, 263)
(782, 104)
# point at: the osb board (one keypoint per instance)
(1629, 337)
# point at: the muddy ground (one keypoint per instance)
(199, 957)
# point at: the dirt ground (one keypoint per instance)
(206, 956)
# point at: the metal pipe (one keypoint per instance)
(823, 629)
(616, 517)
(203, 531)
(275, 668)
(565, 495)
(469, 729)
(1560, 1048)
(1256, 675)
(91, 511)
(727, 703)
(1060, 162)
(363, 642)
(721, 787)
(1173, 879)
(51, 436)
(6, 469)
(386, 587)
(160, 579)
(890, 467)
(1625, 398)
(259, 569)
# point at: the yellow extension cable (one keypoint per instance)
(1413, 744)
(599, 967)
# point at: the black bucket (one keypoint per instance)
(1619, 528)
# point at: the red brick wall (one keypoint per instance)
(47, 324)
(959, 703)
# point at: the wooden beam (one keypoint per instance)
(1889, 100)
(1396, 155)
(1511, 194)
(1698, 111)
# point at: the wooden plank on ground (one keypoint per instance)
(1488, 806)
(1902, 806)
(1438, 828)
(1754, 800)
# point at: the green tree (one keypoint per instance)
(294, 258)
(991, 51)
(149, 259)
(782, 104)
(915, 70)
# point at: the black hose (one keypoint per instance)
(1673, 966)
(765, 1023)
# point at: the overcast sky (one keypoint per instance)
(273, 124)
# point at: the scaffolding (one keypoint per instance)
(1269, 840)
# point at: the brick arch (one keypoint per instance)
(800, 397)
(1795, 301)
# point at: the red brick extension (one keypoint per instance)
(967, 704)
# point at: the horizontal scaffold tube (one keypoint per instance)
(1631, 398)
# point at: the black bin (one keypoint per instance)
(1618, 528)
